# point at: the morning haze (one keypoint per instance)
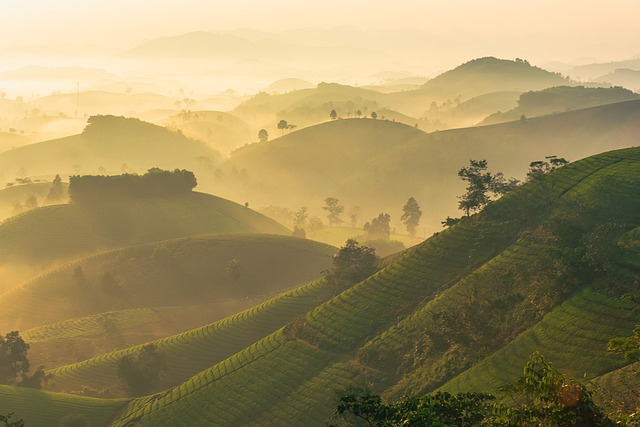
(336, 213)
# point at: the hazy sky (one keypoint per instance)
(610, 26)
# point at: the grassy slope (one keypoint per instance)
(20, 193)
(308, 106)
(310, 162)
(45, 409)
(221, 131)
(378, 165)
(561, 98)
(474, 78)
(63, 231)
(306, 359)
(574, 337)
(181, 272)
(190, 352)
(113, 146)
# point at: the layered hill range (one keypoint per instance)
(463, 96)
(252, 330)
(540, 269)
(377, 164)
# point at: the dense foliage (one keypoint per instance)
(13, 357)
(541, 397)
(156, 182)
(353, 262)
(140, 374)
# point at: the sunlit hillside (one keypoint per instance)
(109, 145)
(51, 234)
(221, 131)
(400, 334)
(377, 165)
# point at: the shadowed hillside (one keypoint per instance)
(179, 272)
(54, 233)
(19, 198)
(560, 99)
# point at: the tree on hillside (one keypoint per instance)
(501, 186)
(478, 185)
(13, 357)
(300, 217)
(540, 168)
(282, 124)
(374, 115)
(481, 185)
(263, 135)
(358, 113)
(541, 397)
(55, 193)
(353, 262)
(411, 216)
(8, 422)
(234, 269)
(315, 225)
(141, 374)
(333, 114)
(628, 347)
(378, 228)
(354, 216)
(334, 210)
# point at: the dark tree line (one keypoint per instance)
(155, 182)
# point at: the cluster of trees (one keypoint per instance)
(141, 373)
(353, 263)
(14, 363)
(483, 186)
(155, 182)
(541, 397)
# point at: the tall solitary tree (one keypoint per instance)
(411, 216)
(334, 210)
(333, 114)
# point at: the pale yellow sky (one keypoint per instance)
(609, 26)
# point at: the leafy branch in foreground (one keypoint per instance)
(541, 397)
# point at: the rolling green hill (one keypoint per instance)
(112, 145)
(43, 408)
(561, 98)
(377, 165)
(15, 199)
(180, 272)
(477, 77)
(221, 131)
(58, 232)
(195, 350)
(308, 106)
(539, 269)
(442, 307)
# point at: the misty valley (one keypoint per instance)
(461, 249)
